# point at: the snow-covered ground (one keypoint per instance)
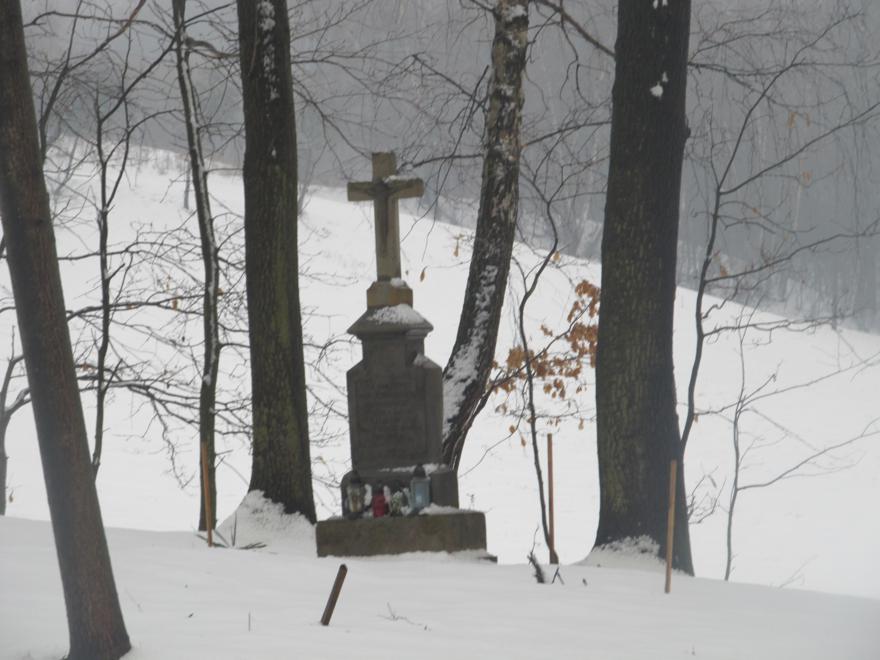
(817, 531)
(184, 601)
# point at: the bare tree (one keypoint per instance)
(748, 403)
(734, 176)
(7, 410)
(636, 421)
(529, 290)
(281, 463)
(97, 630)
(467, 371)
(210, 258)
(112, 161)
(742, 156)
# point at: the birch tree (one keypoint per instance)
(469, 365)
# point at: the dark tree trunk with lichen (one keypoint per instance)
(467, 371)
(211, 263)
(281, 463)
(94, 618)
(637, 424)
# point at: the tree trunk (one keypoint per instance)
(637, 425)
(211, 262)
(97, 631)
(281, 463)
(467, 372)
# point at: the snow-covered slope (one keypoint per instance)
(182, 601)
(819, 533)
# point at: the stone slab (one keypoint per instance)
(395, 393)
(440, 532)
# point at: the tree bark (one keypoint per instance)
(281, 462)
(469, 365)
(97, 630)
(637, 424)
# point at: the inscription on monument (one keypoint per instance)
(389, 420)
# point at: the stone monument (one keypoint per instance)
(395, 402)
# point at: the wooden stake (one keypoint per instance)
(334, 595)
(554, 559)
(670, 524)
(206, 486)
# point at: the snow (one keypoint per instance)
(265, 28)
(512, 12)
(261, 521)
(460, 371)
(403, 314)
(182, 601)
(437, 510)
(816, 533)
(397, 178)
(634, 553)
(422, 361)
(266, 14)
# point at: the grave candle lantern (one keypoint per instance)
(398, 501)
(420, 489)
(355, 494)
(380, 504)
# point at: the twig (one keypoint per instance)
(539, 572)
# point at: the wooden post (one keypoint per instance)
(206, 486)
(670, 524)
(554, 558)
(334, 595)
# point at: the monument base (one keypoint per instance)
(441, 532)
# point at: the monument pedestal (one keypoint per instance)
(395, 405)
(439, 532)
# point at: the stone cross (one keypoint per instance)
(384, 191)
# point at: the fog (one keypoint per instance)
(782, 107)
